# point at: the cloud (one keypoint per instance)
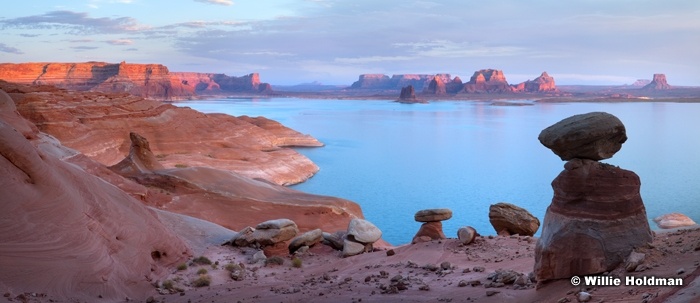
(131, 49)
(219, 2)
(9, 49)
(75, 23)
(372, 59)
(120, 42)
(30, 35)
(84, 47)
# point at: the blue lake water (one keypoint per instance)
(395, 159)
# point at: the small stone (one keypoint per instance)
(466, 234)
(390, 253)
(490, 293)
(583, 296)
(445, 265)
(462, 283)
(633, 261)
(680, 271)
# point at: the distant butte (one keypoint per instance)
(657, 83)
(483, 81)
(153, 81)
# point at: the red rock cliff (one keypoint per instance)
(487, 81)
(153, 81)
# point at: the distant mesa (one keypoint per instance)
(657, 83)
(153, 81)
(641, 82)
(482, 81)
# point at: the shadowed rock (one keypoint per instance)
(508, 219)
(596, 219)
(408, 95)
(594, 136)
(308, 238)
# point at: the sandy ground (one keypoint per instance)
(437, 271)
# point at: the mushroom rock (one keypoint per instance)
(140, 158)
(431, 229)
(595, 136)
(673, 220)
(595, 220)
(509, 219)
(657, 83)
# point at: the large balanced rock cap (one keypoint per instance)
(594, 136)
(509, 219)
(432, 215)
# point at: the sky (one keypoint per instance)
(288, 42)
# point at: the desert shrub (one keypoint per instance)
(181, 266)
(202, 271)
(180, 165)
(274, 260)
(202, 260)
(296, 262)
(201, 281)
(168, 284)
(232, 267)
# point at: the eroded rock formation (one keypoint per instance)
(98, 125)
(596, 217)
(436, 87)
(431, 229)
(543, 83)
(657, 83)
(64, 228)
(153, 81)
(408, 95)
(487, 81)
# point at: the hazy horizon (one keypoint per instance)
(585, 42)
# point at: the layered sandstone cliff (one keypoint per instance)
(98, 125)
(152, 81)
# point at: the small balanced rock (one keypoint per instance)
(360, 237)
(431, 229)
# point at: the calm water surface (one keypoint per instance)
(395, 159)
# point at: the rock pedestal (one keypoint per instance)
(596, 217)
(432, 226)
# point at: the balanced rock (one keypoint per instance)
(275, 231)
(595, 220)
(429, 231)
(673, 220)
(352, 248)
(594, 136)
(466, 234)
(508, 219)
(363, 231)
(309, 238)
(432, 215)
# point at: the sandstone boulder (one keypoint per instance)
(352, 248)
(431, 215)
(509, 219)
(466, 234)
(308, 238)
(595, 220)
(429, 230)
(335, 240)
(243, 237)
(274, 231)
(673, 220)
(363, 231)
(594, 136)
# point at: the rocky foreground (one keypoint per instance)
(113, 198)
